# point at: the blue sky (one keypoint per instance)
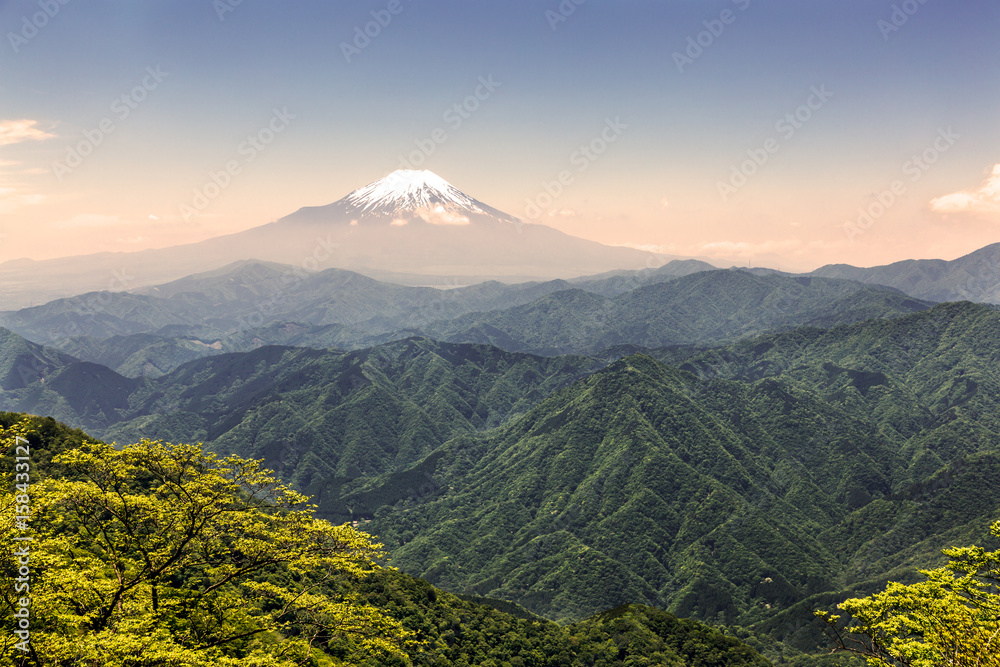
(896, 77)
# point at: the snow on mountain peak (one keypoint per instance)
(412, 190)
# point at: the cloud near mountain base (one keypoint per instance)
(984, 199)
(439, 215)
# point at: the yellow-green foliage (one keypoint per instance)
(164, 555)
(950, 620)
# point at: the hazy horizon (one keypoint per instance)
(737, 131)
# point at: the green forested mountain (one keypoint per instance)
(139, 354)
(252, 294)
(831, 461)
(153, 355)
(973, 276)
(614, 283)
(446, 630)
(255, 304)
(702, 308)
(23, 362)
(319, 417)
(929, 378)
(249, 304)
(635, 485)
(464, 632)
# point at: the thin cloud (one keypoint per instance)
(100, 220)
(12, 195)
(439, 215)
(17, 131)
(744, 248)
(984, 199)
(648, 247)
(13, 167)
(12, 199)
(89, 220)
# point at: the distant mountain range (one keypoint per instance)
(250, 304)
(704, 308)
(251, 294)
(973, 277)
(409, 223)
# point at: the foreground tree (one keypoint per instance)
(950, 620)
(160, 554)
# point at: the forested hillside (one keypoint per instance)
(705, 308)
(319, 417)
(832, 461)
(420, 625)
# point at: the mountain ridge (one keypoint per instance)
(971, 277)
(254, 304)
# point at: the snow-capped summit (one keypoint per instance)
(421, 192)
(406, 190)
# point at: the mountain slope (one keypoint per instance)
(318, 417)
(449, 630)
(141, 354)
(619, 282)
(251, 294)
(798, 469)
(632, 485)
(23, 363)
(930, 377)
(702, 308)
(252, 304)
(238, 297)
(972, 277)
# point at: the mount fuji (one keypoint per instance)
(411, 227)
